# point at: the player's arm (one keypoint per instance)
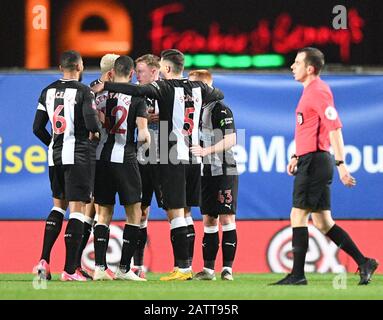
(40, 122)
(89, 111)
(210, 94)
(151, 90)
(336, 140)
(143, 135)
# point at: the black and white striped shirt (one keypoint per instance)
(117, 143)
(70, 108)
(180, 102)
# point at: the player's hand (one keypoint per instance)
(98, 87)
(94, 136)
(347, 179)
(292, 167)
(198, 151)
(153, 117)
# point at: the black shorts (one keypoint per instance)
(121, 178)
(180, 185)
(71, 182)
(312, 182)
(150, 178)
(219, 195)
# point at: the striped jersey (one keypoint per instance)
(217, 121)
(70, 108)
(119, 113)
(180, 102)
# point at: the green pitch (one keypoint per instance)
(244, 287)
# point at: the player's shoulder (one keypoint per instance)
(94, 82)
(138, 100)
(221, 107)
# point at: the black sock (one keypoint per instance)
(300, 246)
(180, 246)
(87, 230)
(130, 238)
(139, 253)
(175, 262)
(101, 233)
(210, 246)
(73, 236)
(52, 230)
(191, 240)
(344, 242)
(229, 247)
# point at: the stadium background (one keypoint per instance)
(247, 38)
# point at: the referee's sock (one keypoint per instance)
(101, 234)
(344, 242)
(180, 242)
(300, 245)
(73, 236)
(229, 244)
(138, 256)
(52, 230)
(130, 238)
(87, 230)
(210, 246)
(191, 237)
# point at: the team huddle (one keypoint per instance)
(172, 137)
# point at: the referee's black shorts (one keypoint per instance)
(121, 178)
(71, 182)
(150, 178)
(312, 181)
(219, 195)
(180, 185)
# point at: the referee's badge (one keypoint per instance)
(331, 113)
(300, 118)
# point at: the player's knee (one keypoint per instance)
(226, 219)
(210, 221)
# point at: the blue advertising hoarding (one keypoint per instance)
(263, 107)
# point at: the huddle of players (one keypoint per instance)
(198, 125)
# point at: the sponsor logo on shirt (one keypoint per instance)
(226, 121)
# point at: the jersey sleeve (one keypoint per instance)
(151, 90)
(210, 94)
(41, 120)
(141, 107)
(89, 111)
(222, 119)
(327, 112)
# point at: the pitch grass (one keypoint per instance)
(244, 287)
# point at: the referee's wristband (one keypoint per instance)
(294, 156)
(338, 162)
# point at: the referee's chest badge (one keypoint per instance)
(300, 118)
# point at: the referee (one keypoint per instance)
(317, 127)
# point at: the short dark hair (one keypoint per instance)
(150, 59)
(123, 65)
(314, 57)
(176, 57)
(69, 59)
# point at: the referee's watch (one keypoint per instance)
(294, 156)
(338, 162)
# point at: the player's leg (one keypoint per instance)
(324, 222)
(174, 200)
(54, 221)
(129, 190)
(90, 212)
(101, 240)
(227, 208)
(229, 244)
(193, 199)
(210, 246)
(52, 230)
(148, 183)
(190, 234)
(299, 222)
(77, 192)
